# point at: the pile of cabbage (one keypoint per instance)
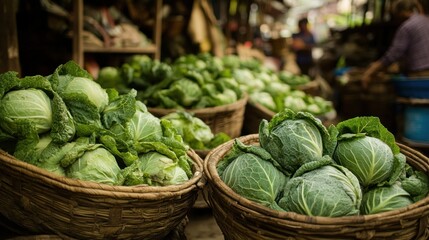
(68, 124)
(194, 131)
(202, 80)
(353, 168)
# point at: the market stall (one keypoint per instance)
(204, 120)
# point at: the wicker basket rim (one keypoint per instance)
(212, 176)
(212, 110)
(93, 188)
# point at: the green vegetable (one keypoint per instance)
(368, 158)
(193, 130)
(294, 139)
(97, 165)
(250, 173)
(143, 126)
(154, 169)
(111, 77)
(183, 91)
(265, 99)
(383, 199)
(368, 149)
(322, 189)
(29, 105)
(84, 97)
(416, 183)
(69, 125)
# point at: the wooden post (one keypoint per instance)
(9, 51)
(158, 29)
(78, 32)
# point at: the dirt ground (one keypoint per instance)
(202, 225)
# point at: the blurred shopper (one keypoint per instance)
(410, 44)
(303, 43)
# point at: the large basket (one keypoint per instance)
(255, 112)
(240, 218)
(227, 119)
(43, 202)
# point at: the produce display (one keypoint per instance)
(202, 80)
(68, 124)
(352, 168)
(190, 82)
(195, 133)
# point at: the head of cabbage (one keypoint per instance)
(385, 198)
(322, 188)
(96, 164)
(194, 131)
(294, 139)
(30, 106)
(154, 169)
(250, 172)
(369, 150)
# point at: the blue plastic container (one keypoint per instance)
(416, 124)
(411, 87)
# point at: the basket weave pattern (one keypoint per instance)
(227, 118)
(240, 218)
(43, 202)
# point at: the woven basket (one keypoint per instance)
(43, 202)
(255, 112)
(227, 119)
(240, 218)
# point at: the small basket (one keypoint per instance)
(43, 202)
(255, 112)
(227, 119)
(240, 218)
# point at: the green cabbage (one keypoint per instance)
(31, 106)
(154, 169)
(195, 133)
(294, 139)
(369, 150)
(143, 126)
(322, 189)
(383, 199)
(250, 172)
(97, 165)
(370, 159)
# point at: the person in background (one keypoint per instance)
(409, 47)
(302, 44)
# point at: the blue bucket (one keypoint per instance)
(411, 87)
(416, 124)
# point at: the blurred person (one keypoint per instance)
(410, 44)
(302, 44)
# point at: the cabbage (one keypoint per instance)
(97, 165)
(322, 189)
(250, 172)
(383, 199)
(370, 159)
(265, 99)
(369, 150)
(143, 126)
(154, 169)
(193, 130)
(88, 89)
(85, 98)
(294, 139)
(31, 106)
